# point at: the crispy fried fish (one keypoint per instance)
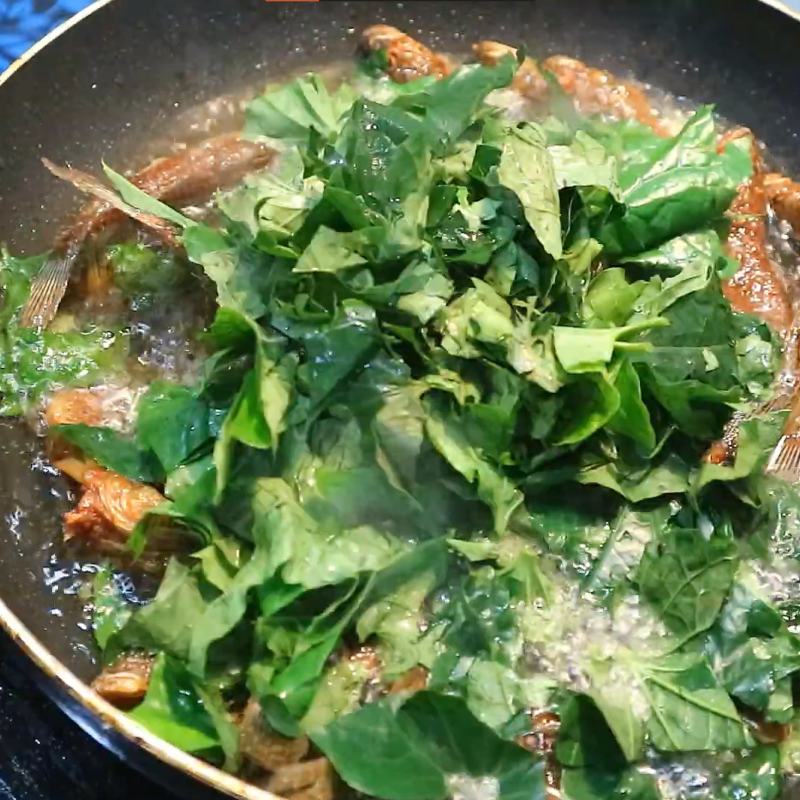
(784, 197)
(759, 286)
(183, 179)
(264, 746)
(124, 683)
(408, 59)
(109, 509)
(594, 91)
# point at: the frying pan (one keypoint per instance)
(118, 78)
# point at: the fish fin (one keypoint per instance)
(789, 376)
(84, 182)
(88, 184)
(47, 291)
(785, 460)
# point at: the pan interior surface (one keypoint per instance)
(127, 103)
(126, 99)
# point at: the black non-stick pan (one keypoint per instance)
(120, 81)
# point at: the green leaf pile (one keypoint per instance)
(463, 372)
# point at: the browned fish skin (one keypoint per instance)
(758, 287)
(111, 505)
(75, 466)
(75, 407)
(98, 405)
(784, 196)
(411, 681)
(543, 733)
(124, 683)
(723, 451)
(595, 91)
(182, 179)
(264, 747)
(541, 740)
(719, 453)
(110, 508)
(409, 60)
(528, 80)
(763, 731)
(308, 780)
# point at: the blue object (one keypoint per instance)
(23, 22)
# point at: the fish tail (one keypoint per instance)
(90, 185)
(47, 291)
(785, 460)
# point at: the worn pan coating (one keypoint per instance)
(113, 81)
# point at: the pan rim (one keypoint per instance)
(38, 653)
(110, 716)
(782, 7)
